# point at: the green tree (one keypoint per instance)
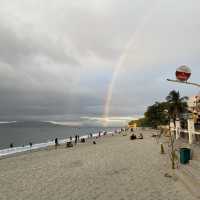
(155, 114)
(176, 106)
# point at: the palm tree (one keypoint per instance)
(176, 105)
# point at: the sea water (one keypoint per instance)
(40, 135)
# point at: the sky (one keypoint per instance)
(85, 61)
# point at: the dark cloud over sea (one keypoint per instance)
(57, 58)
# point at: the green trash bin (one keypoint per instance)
(184, 155)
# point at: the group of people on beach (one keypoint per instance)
(12, 145)
(76, 139)
(133, 136)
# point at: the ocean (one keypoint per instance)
(20, 134)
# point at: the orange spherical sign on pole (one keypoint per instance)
(183, 73)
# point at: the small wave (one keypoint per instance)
(7, 122)
(65, 123)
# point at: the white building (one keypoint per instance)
(194, 107)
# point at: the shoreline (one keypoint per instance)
(15, 151)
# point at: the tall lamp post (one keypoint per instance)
(183, 73)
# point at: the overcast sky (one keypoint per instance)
(57, 58)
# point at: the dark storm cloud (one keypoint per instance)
(17, 48)
(57, 57)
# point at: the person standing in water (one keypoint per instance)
(30, 144)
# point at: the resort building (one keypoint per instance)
(194, 108)
(189, 123)
(134, 125)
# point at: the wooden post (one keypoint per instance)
(191, 130)
(178, 126)
(171, 127)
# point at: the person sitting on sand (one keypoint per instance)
(140, 136)
(133, 137)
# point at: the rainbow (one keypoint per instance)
(129, 46)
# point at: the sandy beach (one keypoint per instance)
(116, 168)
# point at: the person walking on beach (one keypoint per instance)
(76, 138)
(99, 134)
(56, 143)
